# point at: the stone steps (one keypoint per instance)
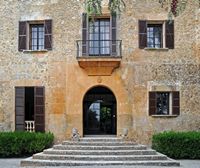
(101, 139)
(100, 152)
(99, 157)
(86, 143)
(100, 147)
(36, 162)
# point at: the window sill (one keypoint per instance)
(156, 49)
(162, 116)
(35, 51)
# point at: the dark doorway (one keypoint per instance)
(99, 112)
(29, 103)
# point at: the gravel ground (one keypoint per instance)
(15, 163)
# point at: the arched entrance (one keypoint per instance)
(99, 112)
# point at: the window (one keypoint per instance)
(164, 103)
(99, 37)
(29, 109)
(156, 34)
(35, 35)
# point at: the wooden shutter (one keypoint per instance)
(113, 35)
(175, 103)
(39, 101)
(19, 108)
(169, 34)
(142, 34)
(84, 34)
(22, 36)
(152, 103)
(48, 35)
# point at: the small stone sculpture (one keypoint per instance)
(75, 135)
(124, 134)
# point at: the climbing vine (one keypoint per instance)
(94, 7)
(116, 6)
(174, 7)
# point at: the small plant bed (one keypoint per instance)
(18, 144)
(178, 145)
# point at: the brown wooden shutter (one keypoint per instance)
(22, 36)
(39, 98)
(19, 108)
(114, 35)
(152, 103)
(169, 28)
(175, 103)
(142, 34)
(84, 34)
(48, 35)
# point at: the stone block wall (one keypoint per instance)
(66, 82)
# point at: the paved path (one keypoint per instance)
(15, 163)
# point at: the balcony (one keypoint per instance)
(99, 57)
(30, 126)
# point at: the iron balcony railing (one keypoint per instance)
(99, 48)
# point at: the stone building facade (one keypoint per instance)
(145, 79)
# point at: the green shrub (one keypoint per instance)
(178, 145)
(16, 144)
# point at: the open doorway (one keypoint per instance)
(99, 112)
(29, 104)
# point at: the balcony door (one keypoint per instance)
(99, 37)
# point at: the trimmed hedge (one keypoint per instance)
(17, 144)
(178, 145)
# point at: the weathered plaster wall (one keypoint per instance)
(66, 83)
